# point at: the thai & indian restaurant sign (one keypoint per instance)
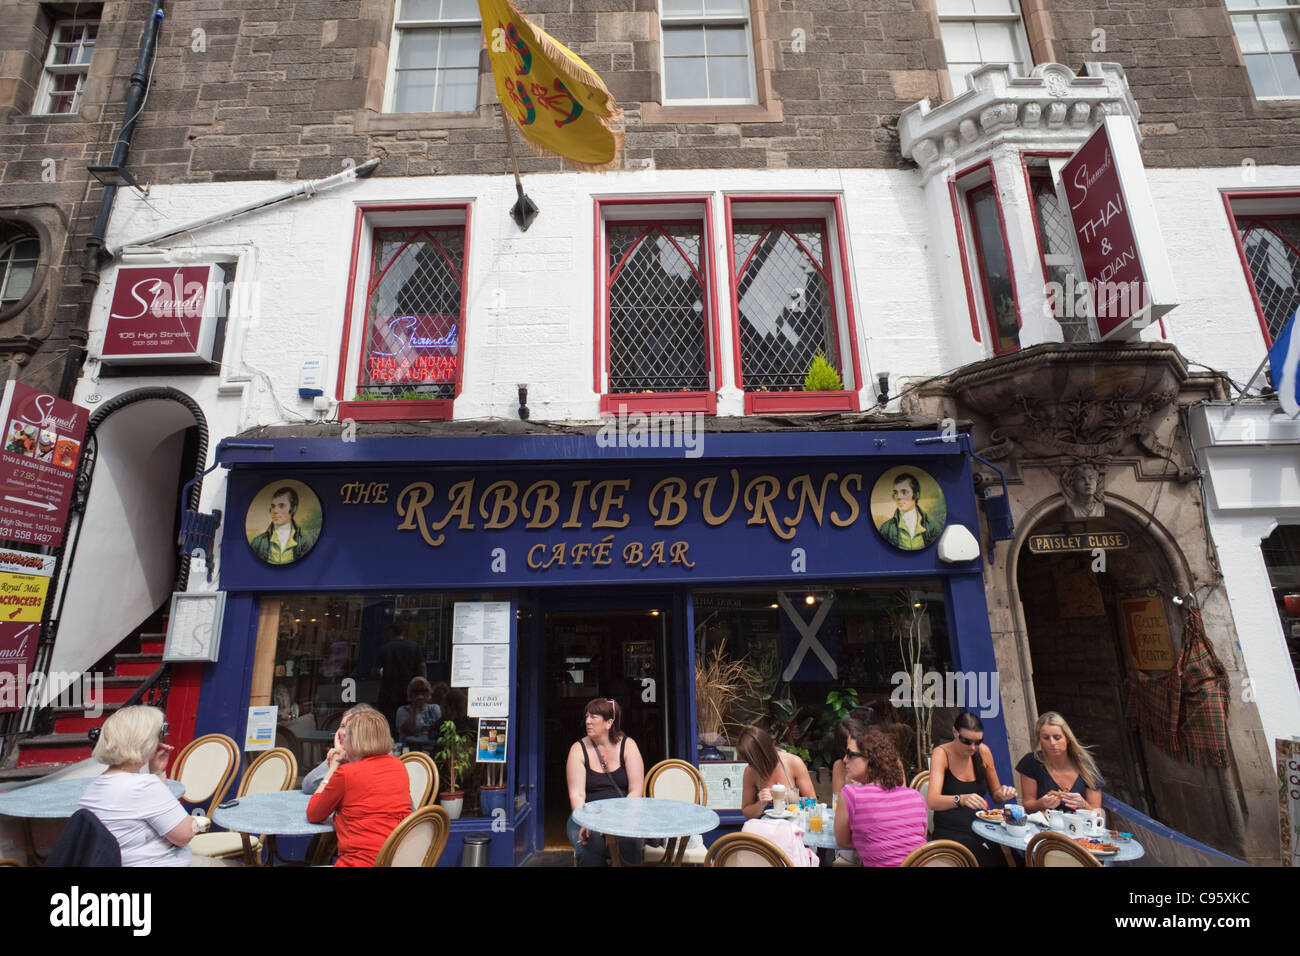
(1118, 237)
(592, 523)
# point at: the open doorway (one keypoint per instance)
(618, 654)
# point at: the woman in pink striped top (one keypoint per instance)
(884, 818)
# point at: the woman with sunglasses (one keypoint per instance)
(883, 817)
(1060, 772)
(603, 765)
(964, 769)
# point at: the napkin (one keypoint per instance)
(1037, 818)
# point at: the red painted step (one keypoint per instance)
(69, 753)
(117, 690)
(136, 665)
(79, 723)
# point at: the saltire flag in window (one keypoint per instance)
(1284, 361)
(558, 102)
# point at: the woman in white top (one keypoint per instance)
(150, 825)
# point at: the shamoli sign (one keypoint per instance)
(1120, 245)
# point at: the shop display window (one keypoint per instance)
(765, 656)
(1282, 558)
(318, 655)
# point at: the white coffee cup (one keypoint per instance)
(1055, 819)
(778, 797)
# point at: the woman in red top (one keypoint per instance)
(369, 794)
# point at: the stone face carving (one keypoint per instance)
(1083, 486)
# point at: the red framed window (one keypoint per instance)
(656, 328)
(1066, 291)
(1267, 228)
(788, 283)
(992, 279)
(408, 288)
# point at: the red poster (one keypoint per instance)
(1103, 227)
(38, 464)
(162, 313)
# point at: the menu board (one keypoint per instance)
(480, 665)
(194, 633)
(722, 781)
(1288, 771)
(481, 622)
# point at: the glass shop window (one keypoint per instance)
(332, 651)
(796, 660)
(1282, 558)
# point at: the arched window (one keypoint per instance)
(20, 253)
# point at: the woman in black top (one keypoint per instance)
(1060, 772)
(960, 774)
(604, 764)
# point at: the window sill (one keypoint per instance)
(706, 402)
(767, 403)
(398, 410)
(752, 113)
(368, 121)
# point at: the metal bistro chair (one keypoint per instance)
(271, 772)
(206, 767)
(423, 774)
(1054, 849)
(418, 840)
(676, 780)
(940, 853)
(745, 849)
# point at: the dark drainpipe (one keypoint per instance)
(80, 333)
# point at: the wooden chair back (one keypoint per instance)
(676, 780)
(940, 853)
(745, 849)
(272, 771)
(423, 775)
(1055, 849)
(418, 840)
(921, 782)
(206, 767)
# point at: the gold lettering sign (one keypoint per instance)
(1147, 631)
(1085, 541)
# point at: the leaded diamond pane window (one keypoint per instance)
(657, 316)
(414, 313)
(786, 305)
(1273, 255)
(1069, 305)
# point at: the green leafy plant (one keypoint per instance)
(455, 753)
(408, 395)
(822, 376)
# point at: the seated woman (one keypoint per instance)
(603, 765)
(315, 776)
(151, 827)
(1060, 772)
(365, 788)
(964, 771)
(419, 715)
(883, 817)
(768, 766)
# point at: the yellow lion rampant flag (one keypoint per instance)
(558, 102)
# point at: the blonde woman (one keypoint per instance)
(365, 788)
(1060, 773)
(151, 827)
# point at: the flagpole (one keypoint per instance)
(1250, 383)
(524, 211)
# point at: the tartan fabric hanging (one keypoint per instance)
(1185, 713)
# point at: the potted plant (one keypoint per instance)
(492, 795)
(822, 376)
(719, 683)
(456, 754)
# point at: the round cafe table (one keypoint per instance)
(649, 818)
(55, 800)
(283, 812)
(995, 832)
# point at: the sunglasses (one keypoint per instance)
(850, 754)
(162, 734)
(970, 743)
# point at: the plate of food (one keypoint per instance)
(1097, 847)
(989, 816)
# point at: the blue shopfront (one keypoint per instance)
(814, 562)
